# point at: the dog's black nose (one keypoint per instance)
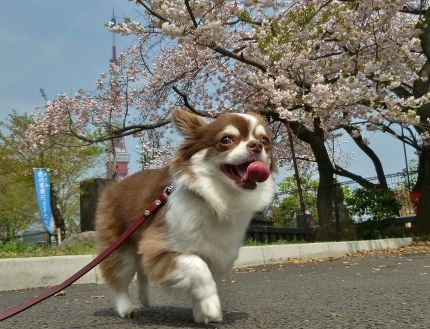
(255, 146)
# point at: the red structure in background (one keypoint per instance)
(117, 166)
(415, 199)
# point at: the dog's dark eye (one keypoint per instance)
(265, 141)
(226, 140)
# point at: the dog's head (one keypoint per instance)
(235, 149)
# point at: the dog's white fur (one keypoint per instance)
(205, 220)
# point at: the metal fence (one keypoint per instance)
(398, 180)
(284, 209)
(400, 183)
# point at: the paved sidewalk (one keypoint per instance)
(388, 291)
(23, 273)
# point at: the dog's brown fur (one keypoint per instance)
(127, 201)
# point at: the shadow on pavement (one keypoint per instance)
(172, 316)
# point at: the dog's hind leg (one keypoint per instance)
(118, 271)
(143, 287)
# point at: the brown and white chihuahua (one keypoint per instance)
(221, 176)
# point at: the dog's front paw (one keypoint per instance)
(127, 310)
(207, 310)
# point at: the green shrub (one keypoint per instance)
(373, 209)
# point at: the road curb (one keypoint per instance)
(261, 255)
(24, 273)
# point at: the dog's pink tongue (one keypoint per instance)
(257, 171)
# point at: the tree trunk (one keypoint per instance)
(56, 213)
(328, 230)
(422, 87)
(422, 225)
(325, 186)
(325, 195)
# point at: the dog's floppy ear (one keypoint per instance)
(187, 123)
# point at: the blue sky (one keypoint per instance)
(55, 45)
(62, 45)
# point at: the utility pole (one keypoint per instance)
(296, 169)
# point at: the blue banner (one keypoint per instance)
(43, 194)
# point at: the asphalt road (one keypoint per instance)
(385, 291)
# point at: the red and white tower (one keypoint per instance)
(117, 165)
(113, 23)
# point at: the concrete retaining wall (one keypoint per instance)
(23, 273)
(271, 254)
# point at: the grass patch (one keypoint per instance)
(423, 238)
(15, 249)
(253, 243)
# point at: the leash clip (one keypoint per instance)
(168, 189)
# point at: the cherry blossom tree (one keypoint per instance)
(67, 166)
(318, 67)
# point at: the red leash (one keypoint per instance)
(105, 253)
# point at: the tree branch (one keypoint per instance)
(413, 11)
(299, 129)
(117, 133)
(190, 12)
(188, 104)
(240, 58)
(412, 142)
(357, 178)
(335, 53)
(152, 12)
(371, 154)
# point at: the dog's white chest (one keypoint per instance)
(196, 229)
